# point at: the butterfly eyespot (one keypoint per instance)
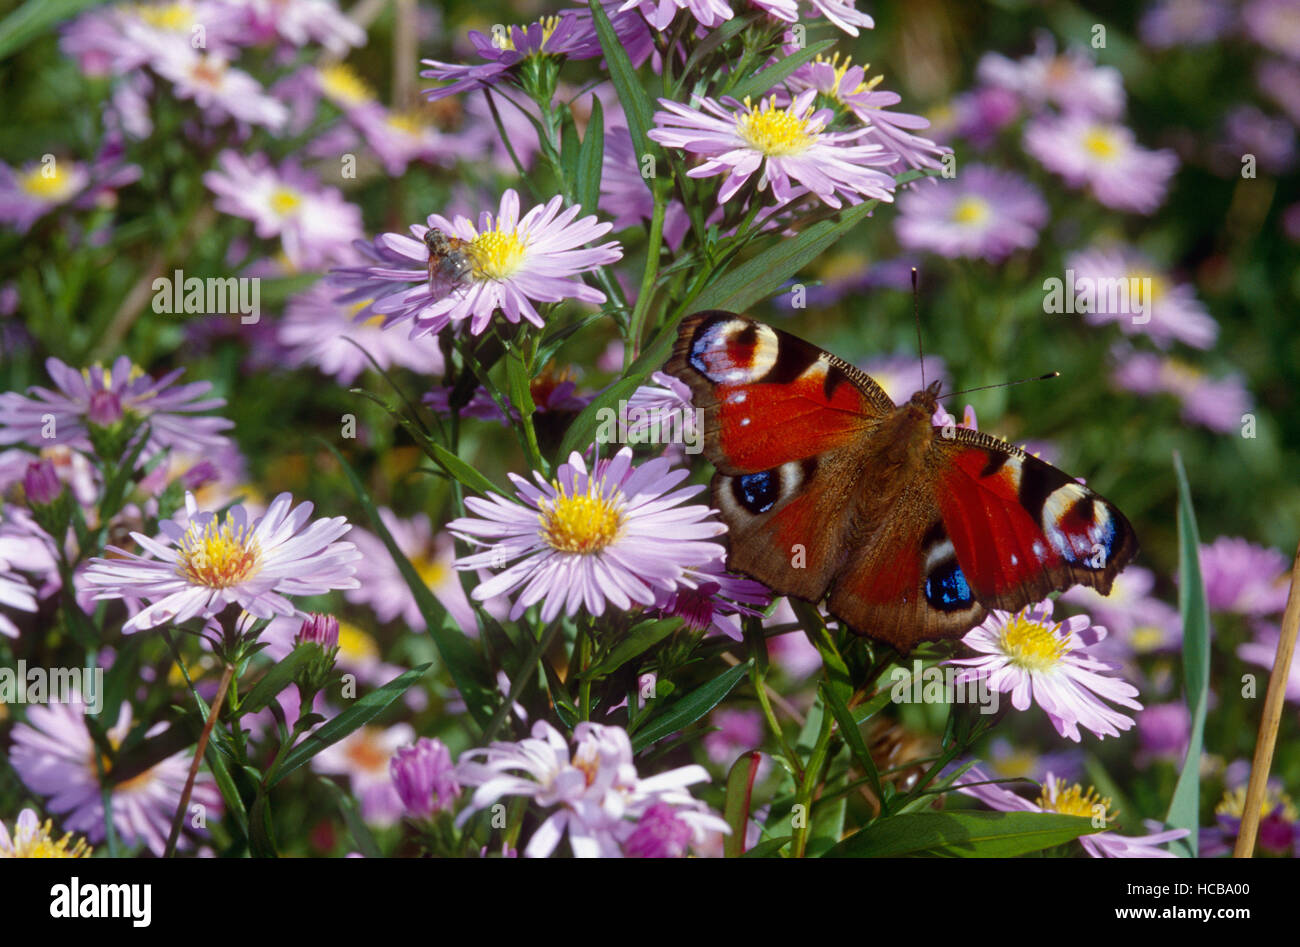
(946, 588)
(758, 492)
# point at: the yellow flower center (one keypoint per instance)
(1074, 801)
(841, 68)
(1146, 639)
(356, 645)
(367, 753)
(583, 523)
(1234, 803)
(219, 556)
(1016, 763)
(284, 201)
(48, 182)
(549, 23)
(165, 16)
(431, 572)
(407, 123)
(776, 132)
(42, 844)
(209, 71)
(1030, 645)
(341, 84)
(497, 254)
(970, 210)
(1101, 142)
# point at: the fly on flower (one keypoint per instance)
(451, 261)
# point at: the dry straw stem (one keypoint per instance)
(1268, 724)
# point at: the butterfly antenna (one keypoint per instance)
(916, 314)
(1004, 384)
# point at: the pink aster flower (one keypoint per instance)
(625, 194)
(217, 88)
(1071, 80)
(1261, 650)
(381, 586)
(844, 14)
(29, 193)
(35, 839)
(15, 592)
(200, 563)
(364, 756)
(1218, 404)
(660, 13)
(1274, 24)
(1103, 156)
(54, 755)
(115, 39)
(717, 601)
(1138, 623)
(315, 224)
(983, 212)
(1043, 661)
(789, 148)
(318, 330)
(1056, 796)
(848, 84)
(1184, 23)
(1171, 314)
(300, 22)
(101, 396)
(593, 790)
(424, 777)
(512, 261)
(612, 536)
(1244, 578)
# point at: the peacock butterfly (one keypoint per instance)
(830, 489)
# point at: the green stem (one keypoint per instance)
(808, 786)
(648, 277)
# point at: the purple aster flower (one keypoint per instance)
(716, 602)
(1040, 660)
(1279, 825)
(1248, 131)
(1103, 156)
(341, 85)
(218, 89)
(15, 592)
(1056, 796)
(54, 755)
(1138, 622)
(844, 14)
(1274, 24)
(1171, 314)
(318, 330)
(29, 194)
(848, 85)
(625, 194)
(1163, 731)
(365, 757)
(315, 224)
(512, 262)
(319, 630)
(561, 35)
(200, 563)
(1280, 81)
(1071, 81)
(480, 406)
(359, 654)
(660, 13)
(900, 375)
(41, 484)
(613, 536)
(1262, 650)
(1016, 760)
(403, 138)
(381, 586)
(790, 146)
(1217, 404)
(116, 39)
(1244, 578)
(102, 396)
(424, 777)
(983, 212)
(35, 839)
(1184, 23)
(659, 834)
(738, 731)
(300, 22)
(977, 116)
(594, 791)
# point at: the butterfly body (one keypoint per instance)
(910, 531)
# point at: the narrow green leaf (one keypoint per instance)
(739, 801)
(519, 385)
(963, 834)
(569, 145)
(583, 429)
(635, 102)
(686, 710)
(853, 738)
(365, 842)
(34, 18)
(639, 640)
(591, 159)
(462, 659)
(273, 681)
(355, 717)
(760, 82)
(1185, 806)
(768, 847)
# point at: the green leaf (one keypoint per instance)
(963, 835)
(768, 847)
(639, 640)
(34, 18)
(273, 681)
(591, 159)
(761, 82)
(583, 429)
(462, 660)
(636, 104)
(519, 385)
(569, 145)
(739, 799)
(758, 278)
(355, 717)
(1185, 806)
(365, 842)
(261, 833)
(853, 738)
(686, 710)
